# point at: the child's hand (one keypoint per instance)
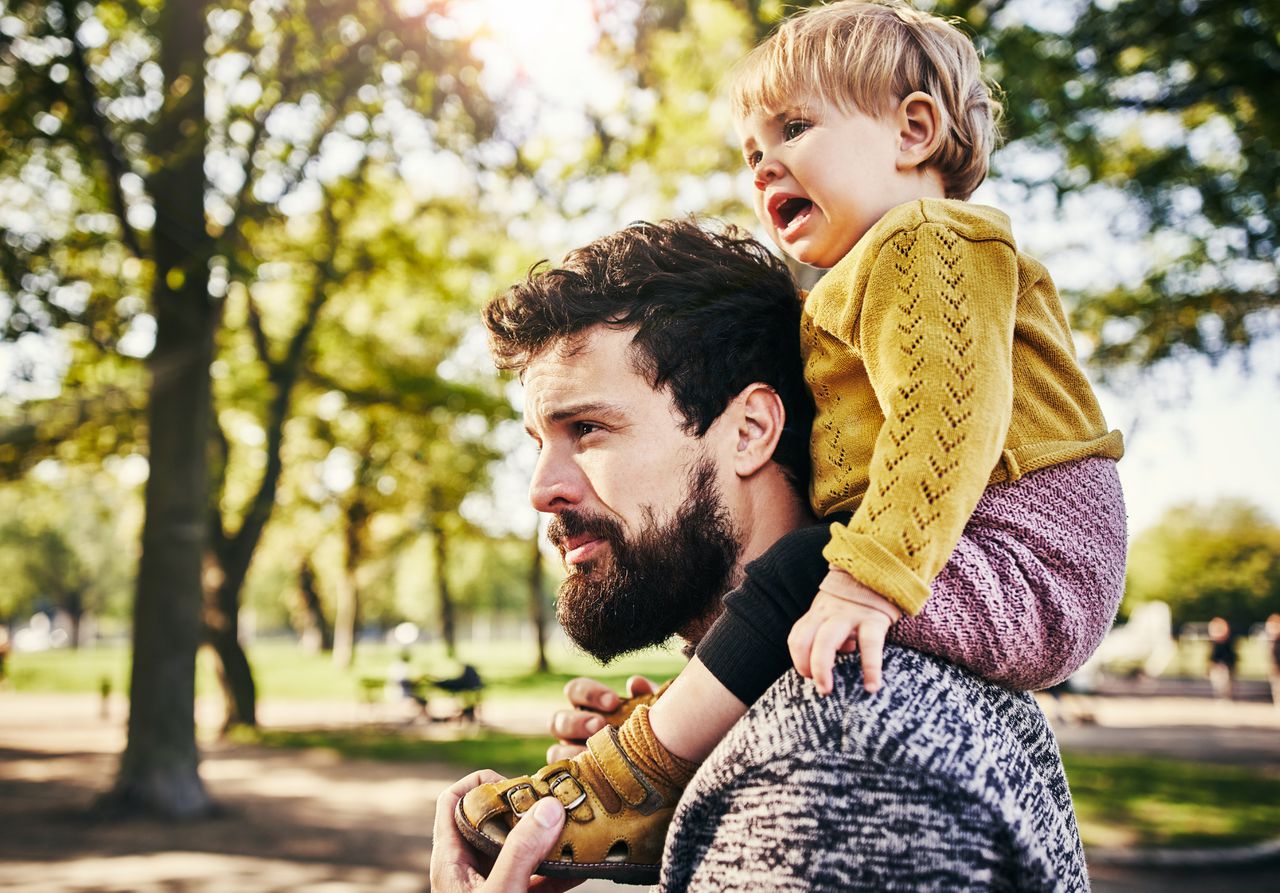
(844, 616)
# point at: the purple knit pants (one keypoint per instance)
(1035, 581)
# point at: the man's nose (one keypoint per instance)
(557, 483)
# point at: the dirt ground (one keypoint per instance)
(309, 821)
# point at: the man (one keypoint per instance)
(662, 384)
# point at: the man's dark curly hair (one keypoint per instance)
(712, 311)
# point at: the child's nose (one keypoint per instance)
(767, 171)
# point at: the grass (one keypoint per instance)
(508, 754)
(283, 671)
(1141, 801)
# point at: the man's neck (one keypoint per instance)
(774, 512)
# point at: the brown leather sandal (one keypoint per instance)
(617, 816)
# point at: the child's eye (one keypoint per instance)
(752, 159)
(794, 128)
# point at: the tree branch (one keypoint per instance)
(116, 166)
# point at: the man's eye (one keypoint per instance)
(793, 129)
(582, 429)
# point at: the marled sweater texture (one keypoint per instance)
(938, 782)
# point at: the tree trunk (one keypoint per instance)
(347, 617)
(312, 625)
(222, 633)
(448, 613)
(538, 604)
(159, 771)
(74, 606)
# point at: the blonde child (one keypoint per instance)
(957, 447)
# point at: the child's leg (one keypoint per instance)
(1034, 583)
(694, 713)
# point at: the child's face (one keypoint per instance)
(823, 176)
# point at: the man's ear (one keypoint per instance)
(759, 418)
(919, 129)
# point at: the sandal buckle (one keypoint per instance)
(515, 810)
(578, 801)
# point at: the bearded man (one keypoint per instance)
(663, 386)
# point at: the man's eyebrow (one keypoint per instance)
(604, 409)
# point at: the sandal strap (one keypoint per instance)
(568, 789)
(625, 777)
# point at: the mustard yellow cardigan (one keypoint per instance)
(940, 361)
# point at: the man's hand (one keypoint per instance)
(844, 616)
(457, 868)
(589, 698)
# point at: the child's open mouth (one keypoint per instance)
(788, 212)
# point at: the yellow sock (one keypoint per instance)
(636, 738)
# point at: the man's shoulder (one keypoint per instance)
(929, 715)
(938, 779)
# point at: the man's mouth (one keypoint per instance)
(789, 212)
(580, 548)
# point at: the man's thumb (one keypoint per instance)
(528, 844)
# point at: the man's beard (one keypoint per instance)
(654, 585)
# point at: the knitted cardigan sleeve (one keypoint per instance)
(936, 337)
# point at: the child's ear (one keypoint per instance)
(919, 129)
(759, 418)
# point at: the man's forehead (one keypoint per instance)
(595, 370)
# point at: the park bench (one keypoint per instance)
(466, 691)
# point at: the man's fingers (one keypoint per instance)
(528, 844)
(591, 694)
(575, 726)
(558, 752)
(640, 685)
(871, 647)
(453, 863)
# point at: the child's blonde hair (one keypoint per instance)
(870, 54)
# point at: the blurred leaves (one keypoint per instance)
(1205, 561)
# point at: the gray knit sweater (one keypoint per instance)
(940, 781)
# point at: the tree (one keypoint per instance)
(120, 109)
(66, 545)
(1216, 560)
(1167, 103)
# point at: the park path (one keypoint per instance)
(309, 821)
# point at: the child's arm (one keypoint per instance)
(844, 616)
(935, 333)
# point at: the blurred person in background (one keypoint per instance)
(1222, 658)
(1273, 656)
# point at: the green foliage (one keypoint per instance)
(1221, 559)
(67, 545)
(286, 672)
(1168, 102)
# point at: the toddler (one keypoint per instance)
(957, 447)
